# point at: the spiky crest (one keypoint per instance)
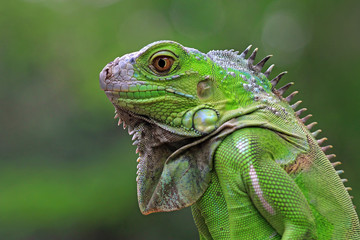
(268, 71)
(291, 96)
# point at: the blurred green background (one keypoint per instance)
(68, 172)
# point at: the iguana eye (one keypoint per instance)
(162, 64)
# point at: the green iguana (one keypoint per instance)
(214, 133)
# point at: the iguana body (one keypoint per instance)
(214, 133)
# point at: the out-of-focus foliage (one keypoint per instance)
(67, 171)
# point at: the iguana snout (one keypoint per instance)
(117, 78)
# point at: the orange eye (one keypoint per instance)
(162, 64)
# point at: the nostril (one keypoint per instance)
(108, 73)
(104, 74)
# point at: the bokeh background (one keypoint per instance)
(68, 172)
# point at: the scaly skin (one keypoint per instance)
(214, 133)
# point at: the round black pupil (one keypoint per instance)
(162, 63)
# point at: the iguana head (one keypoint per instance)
(173, 97)
(182, 89)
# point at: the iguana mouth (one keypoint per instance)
(139, 92)
(136, 95)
